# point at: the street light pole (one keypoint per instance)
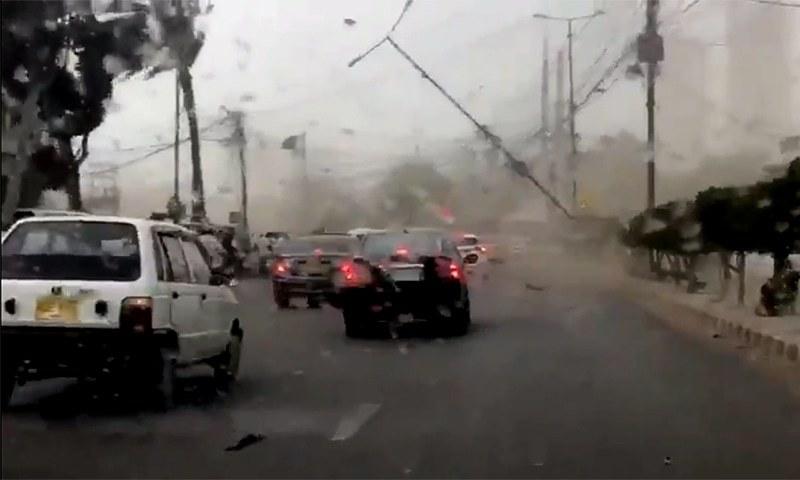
(573, 156)
(572, 164)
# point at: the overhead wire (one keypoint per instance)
(155, 151)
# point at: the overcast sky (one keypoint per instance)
(284, 62)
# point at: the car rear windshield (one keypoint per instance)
(334, 245)
(468, 241)
(412, 245)
(72, 250)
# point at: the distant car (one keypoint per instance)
(304, 266)
(469, 243)
(412, 272)
(360, 233)
(100, 297)
(265, 246)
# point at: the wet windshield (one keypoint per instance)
(573, 251)
(72, 251)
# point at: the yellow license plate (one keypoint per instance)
(54, 309)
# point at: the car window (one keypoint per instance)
(384, 245)
(178, 268)
(71, 250)
(468, 241)
(334, 245)
(201, 273)
(449, 249)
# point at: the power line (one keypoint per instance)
(152, 153)
(776, 3)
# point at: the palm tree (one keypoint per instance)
(184, 43)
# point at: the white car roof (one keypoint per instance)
(51, 213)
(140, 223)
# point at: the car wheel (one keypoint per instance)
(462, 320)
(354, 323)
(166, 381)
(226, 370)
(281, 299)
(313, 303)
(9, 381)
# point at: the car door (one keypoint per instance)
(185, 311)
(216, 309)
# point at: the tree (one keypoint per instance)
(57, 73)
(184, 44)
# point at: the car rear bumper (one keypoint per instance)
(429, 302)
(46, 352)
(303, 286)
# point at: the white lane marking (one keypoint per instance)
(352, 423)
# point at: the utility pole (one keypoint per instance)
(241, 141)
(558, 118)
(176, 185)
(572, 161)
(545, 121)
(573, 151)
(651, 51)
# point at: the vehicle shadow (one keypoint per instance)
(65, 399)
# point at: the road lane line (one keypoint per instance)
(352, 423)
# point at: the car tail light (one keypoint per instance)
(448, 269)
(401, 252)
(352, 274)
(136, 315)
(281, 268)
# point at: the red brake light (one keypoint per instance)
(448, 269)
(354, 274)
(318, 251)
(136, 315)
(281, 267)
(455, 272)
(401, 252)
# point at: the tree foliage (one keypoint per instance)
(764, 217)
(68, 62)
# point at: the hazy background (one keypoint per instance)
(728, 90)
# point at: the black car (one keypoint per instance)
(303, 267)
(411, 272)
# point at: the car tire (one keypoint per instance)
(9, 381)
(354, 323)
(166, 382)
(281, 298)
(313, 303)
(462, 321)
(226, 369)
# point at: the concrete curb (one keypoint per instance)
(770, 344)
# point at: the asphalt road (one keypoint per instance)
(552, 380)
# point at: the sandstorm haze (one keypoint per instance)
(727, 91)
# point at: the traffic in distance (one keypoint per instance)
(133, 300)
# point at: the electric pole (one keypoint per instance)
(558, 118)
(651, 51)
(241, 141)
(545, 121)
(177, 137)
(572, 161)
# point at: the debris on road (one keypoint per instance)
(246, 441)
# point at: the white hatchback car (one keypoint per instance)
(93, 297)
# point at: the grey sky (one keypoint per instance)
(291, 57)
